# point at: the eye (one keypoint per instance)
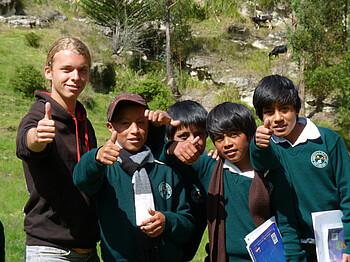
(267, 111)
(218, 138)
(234, 134)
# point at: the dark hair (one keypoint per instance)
(227, 117)
(275, 89)
(190, 113)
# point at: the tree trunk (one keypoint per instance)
(170, 74)
(302, 86)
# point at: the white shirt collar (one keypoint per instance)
(310, 132)
(234, 169)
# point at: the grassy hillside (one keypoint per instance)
(13, 106)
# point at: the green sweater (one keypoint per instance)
(319, 171)
(196, 195)
(111, 188)
(238, 222)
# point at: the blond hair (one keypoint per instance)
(68, 43)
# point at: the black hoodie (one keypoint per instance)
(57, 213)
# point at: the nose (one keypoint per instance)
(227, 141)
(277, 116)
(75, 74)
(134, 128)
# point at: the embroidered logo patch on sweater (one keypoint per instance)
(165, 190)
(319, 159)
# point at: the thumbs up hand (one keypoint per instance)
(46, 127)
(108, 154)
(263, 134)
(186, 151)
(38, 137)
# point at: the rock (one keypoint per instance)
(8, 7)
(102, 77)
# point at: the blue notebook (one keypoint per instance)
(265, 243)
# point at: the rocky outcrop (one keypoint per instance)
(8, 7)
(26, 21)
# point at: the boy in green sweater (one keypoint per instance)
(315, 159)
(192, 135)
(141, 203)
(231, 127)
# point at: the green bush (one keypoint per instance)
(26, 79)
(32, 39)
(87, 96)
(156, 93)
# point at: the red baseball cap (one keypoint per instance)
(124, 97)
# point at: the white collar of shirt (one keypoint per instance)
(310, 132)
(234, 169)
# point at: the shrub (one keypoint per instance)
(156, 93)
(26, 79)
(87, 96)
(32, 39)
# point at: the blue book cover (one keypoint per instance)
(268, 246)
(336, 244)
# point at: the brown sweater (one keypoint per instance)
(57, 213)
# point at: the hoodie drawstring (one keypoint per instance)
(77, 137)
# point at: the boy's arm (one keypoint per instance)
(263, 159)
(88, 174)
(340, 160)
(283, 205)
(156, 132)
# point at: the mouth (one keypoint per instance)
(134, 140)
(280, 128)
(73, 88)
(231, 153)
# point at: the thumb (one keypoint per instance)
(114, 137)
(48, 111)
(151, 212)
(195, 141)
(175, 123)
(267, 123)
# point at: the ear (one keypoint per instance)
(48, 73)
(110, 127)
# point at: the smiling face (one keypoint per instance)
(283, 119)
(234, 146)
(68, 75)
(131, 126)
(189, 133)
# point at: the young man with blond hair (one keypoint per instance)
(60, 222)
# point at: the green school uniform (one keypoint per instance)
(197, 198)
(111, 188)
(318, 167)
(238, 221)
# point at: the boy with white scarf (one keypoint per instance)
(141, 203)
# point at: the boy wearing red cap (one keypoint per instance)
(141, 202)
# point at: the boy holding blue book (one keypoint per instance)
(315, 159)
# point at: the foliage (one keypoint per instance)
(229, 8)
(32, 39)
(320, 38)
(125, 18)
(343, 82)
(26, 79)
(157, 94)
(87, 97)
(227, 93)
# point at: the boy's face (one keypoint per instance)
(233, 146)
(189, 133)
(131, 126)
(68, 74)
(282, 118)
